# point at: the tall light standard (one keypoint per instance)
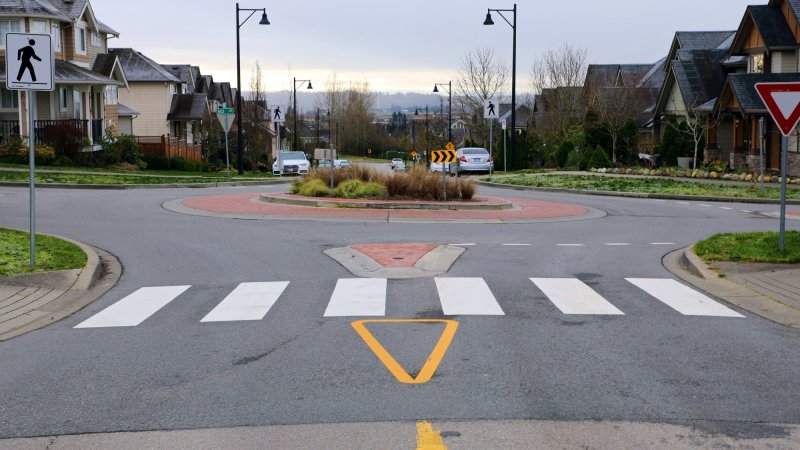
(413, 136)
(513, 24)
(302, 82)
(449, 107)
(239, 119)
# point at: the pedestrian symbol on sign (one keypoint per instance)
(25, 54)
(490, 109)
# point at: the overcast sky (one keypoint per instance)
(400, 45)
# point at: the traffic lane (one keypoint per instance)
(296, 367)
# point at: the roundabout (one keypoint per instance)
(281, 206)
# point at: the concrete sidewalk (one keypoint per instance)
(771, 291)
(30, 302)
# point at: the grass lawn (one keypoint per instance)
(138, 173)
(752, 247)
(51, 254)
(646, 185)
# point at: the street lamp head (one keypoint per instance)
(435, 88)
(309, 86)
(488, 20)
(416, 112)
(264, 20)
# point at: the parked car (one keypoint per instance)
(396, 161)
(437, 167)
(340, 163)
(294, 163)
(399, 165)
(473, 159)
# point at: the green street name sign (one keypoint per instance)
(225, 112)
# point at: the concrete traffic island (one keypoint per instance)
(284, 206)
(396, 261)
(479, 204)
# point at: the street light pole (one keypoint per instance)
(513, 25)
(449, 107)
(296, 144)
(239, 119)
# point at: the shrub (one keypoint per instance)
(358, 189)
(43, 154)
(564, 150)
(156, 162)
(594, 158)
(13, 147)
(312, 188)
(67, 138)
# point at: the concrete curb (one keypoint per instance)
(685, 264)
(761, 201)
(399, 204)
(80, 288)
(436, 262)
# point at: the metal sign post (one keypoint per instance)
(30, 57)
(505, 164)
(761, 152)
(783, 103)
(279, 118)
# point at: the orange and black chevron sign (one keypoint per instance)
(443, 156)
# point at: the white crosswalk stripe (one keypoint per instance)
(467, 297)
(367, 297)
(573, 296)
(135, 308)
(355, 297)
(682, 298)
(249, 301)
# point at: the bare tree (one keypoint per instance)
(256, 119)
(479, 78)
(614, 107)
(350, 113)
(556, 75)
(698, 122)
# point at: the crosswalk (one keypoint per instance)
(367, 297)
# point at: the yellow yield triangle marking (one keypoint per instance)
(431, 363)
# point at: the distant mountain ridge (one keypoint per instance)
(384, 101)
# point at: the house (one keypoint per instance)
(768, 39)
(150, 91)
(87, 78)
(188, 108)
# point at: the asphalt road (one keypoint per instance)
(297, 367)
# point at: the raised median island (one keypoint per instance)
(477, 204)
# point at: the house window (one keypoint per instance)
(96, 39)
(62, 99)
(76, 105)
(39, 26)
(55, 32)
(756, 64)
(9, 26)
(80, 40)
(112, 95)
(8, 99)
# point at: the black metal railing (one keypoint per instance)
(8, 128)
(49, 131)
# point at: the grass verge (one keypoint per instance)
(110, 179)
(646, 186)
(51, 254)
(755, 247)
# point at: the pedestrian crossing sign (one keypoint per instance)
(30, 65)
(491, 110)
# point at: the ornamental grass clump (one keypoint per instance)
(359, 189)
(311, 188)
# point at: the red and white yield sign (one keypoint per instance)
(783, 102)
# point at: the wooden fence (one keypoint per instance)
(169, 147)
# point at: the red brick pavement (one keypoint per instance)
(395, 255)
(248, 204)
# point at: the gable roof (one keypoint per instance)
(182, 72)
(109, 65)
(631, 75)
(771, 26)
(31, 8)
(187, 107)
(139, 68)
(743, 88)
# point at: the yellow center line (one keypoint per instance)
(428, 438)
